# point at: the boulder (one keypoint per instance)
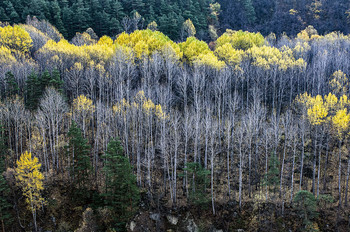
(172, 219)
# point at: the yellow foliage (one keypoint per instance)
(228, 54)
(193, 47)
(141, 103)
(146, 42)
(83, 103)
(189, 28)
(308, 33)
(339, 83)
(105, 40)
(15, 38)
(121, 107)
(210, 60)
(64, 52)
(267, 57)
(6, 58)
(160, 113)
(240, 39)
(341, 121)
(317, 111)
(30, 180)
(330, 101)
(148, 106)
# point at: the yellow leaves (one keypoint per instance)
(210, 60)
(240, 39)
(15, 38)
(189, 28)
(105, 40)
(148, 106)
(267, 57)
(327, 109)
(141, 104)
(6, 58)
(330, 101)
(83, 103)
(228, 54)
(159, 113)
(308, 33)
(141, 49)
(100, 52)
(30, 179)
(293, 12)
(121, 107)
(146, 42)
(77, 66)
(193, 47)
(317, 111)
(341, 121)
(339, 83)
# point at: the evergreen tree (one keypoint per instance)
(57, 20)
(272, 176)
(122, 194)
(55, 80)
(249, 10)
(11, 85)
(5, 206)
(67, 15)
(32, 91)
(78, 151)
(80, 17)
(117, 10)
(11, 12)
(198, 180)
(306, 205)
(3, 15)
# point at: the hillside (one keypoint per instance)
(140, 132)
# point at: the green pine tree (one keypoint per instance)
(11, 12)
(306, 205)
(5, 206)
(198, 178)
(11, 85)
(32, 91)
(55, 80)
(57, 19)
(272, 177)
(121, 194)
(3, 15)
(78, 151)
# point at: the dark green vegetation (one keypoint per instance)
(110, 17)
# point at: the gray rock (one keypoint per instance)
(172, 219)
(132, 225)
(191, 226)
(240, 230)
(154, 216)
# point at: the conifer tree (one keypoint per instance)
(78, 151)
(32, 92)
(121, 194)
(272, 176)
(198, 186)
(55, 80)
(12, 85)
(5, 206)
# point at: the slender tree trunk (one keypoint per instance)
(339, 174)
(347, 184)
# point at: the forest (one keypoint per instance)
(111, 17)
(141, 131)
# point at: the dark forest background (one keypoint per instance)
(110, 17)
